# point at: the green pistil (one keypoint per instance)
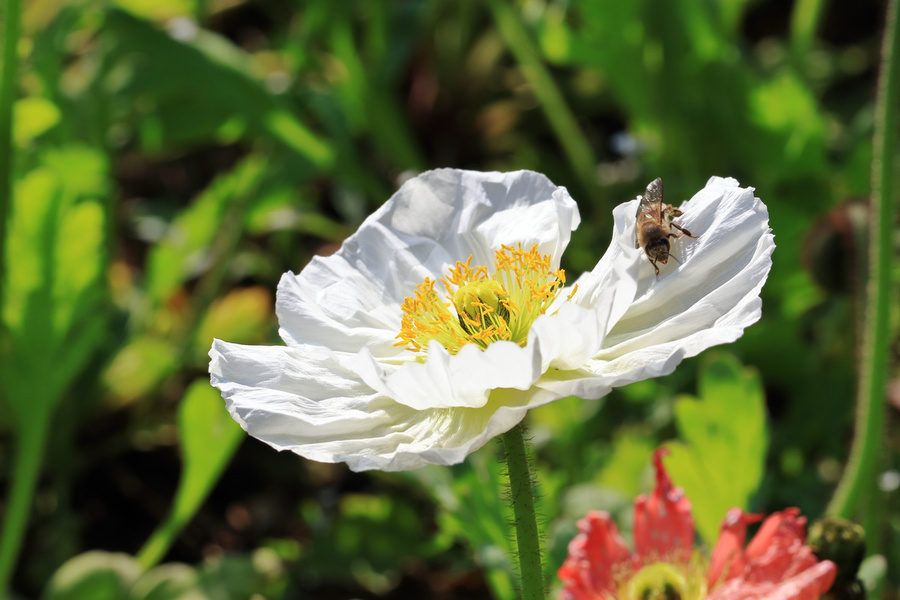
(665, 581)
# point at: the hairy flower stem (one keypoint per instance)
(857, 484)
(522, 498)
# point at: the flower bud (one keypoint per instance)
(843, 543)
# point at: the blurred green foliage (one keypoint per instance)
(721, 461)
(173, 158)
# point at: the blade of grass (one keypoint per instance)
(31, 437)
(804, 22)
(547, 92)
(858, 482)
(12, 21)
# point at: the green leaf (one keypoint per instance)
(471, 502)
(631, 454)
(55, 259)
(381, 533)
(241, 317)
(787, 109)
(172, 581)
(210, 68)
(208, 439)
(138, 368)
(94, 575)
(721, 462)
(158, 10)
(33, 116)
(246, 576)
(183, 253)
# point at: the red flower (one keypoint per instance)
(775, 565)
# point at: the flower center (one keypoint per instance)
(480, 308)
(665, 581)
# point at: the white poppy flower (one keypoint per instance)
(444, 318)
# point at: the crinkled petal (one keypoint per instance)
(708, 299)
(777, 565)
(304, 399)
(663, 525)
(594, 555)
(466, 379)
(352, 298)
(558, 342)
(727, 560)
(612, 284)
(811, 584)
(781, 530)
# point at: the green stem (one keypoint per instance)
(804, 22)
(561, 119)
(32, 433)
(12, 17)
(858, 479)
(155, 549)
(522, 498)
(29, 449)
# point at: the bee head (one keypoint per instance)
(658, 250)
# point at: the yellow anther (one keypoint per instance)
(482, 307)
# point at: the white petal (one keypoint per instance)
(352, 299)
(609, 289)
(709, 299)
(563, 340)
(301, 399)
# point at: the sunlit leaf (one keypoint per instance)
(33, 116)
(630, 456)
(277, 210)
(83, 171)
(184, 252)
(157, 10)
(242, 317)
(94, 575)
(208, 438)
(55, 256)
(138, 368)
(721, 461)
(205, 65)
(171, 581)
(786, 107)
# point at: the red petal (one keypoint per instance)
(784, 528)
(728, 559)
(593, 556)
(663, 526)
(777, 551)
(777, 564)
(811, 584)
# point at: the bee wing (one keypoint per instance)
(650, 207)
(654, 192)
(643, 207)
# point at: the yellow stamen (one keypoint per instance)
(665, 581)
(481, 308)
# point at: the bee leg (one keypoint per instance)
(682, 230)
(653, 262)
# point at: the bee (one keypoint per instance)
(654, 226)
